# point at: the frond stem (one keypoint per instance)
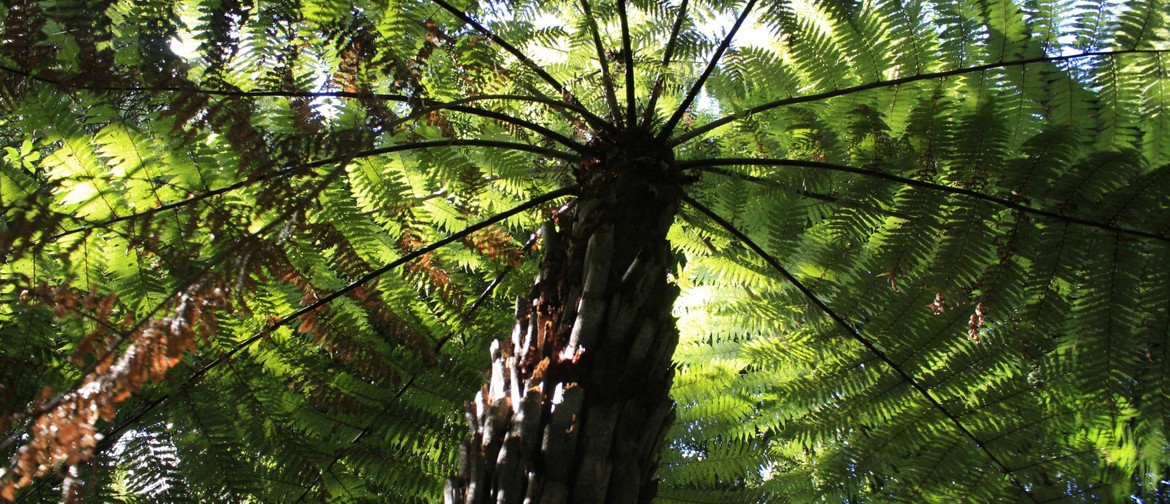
(184, 285)
(429, 106)
(467, 315)
(524, 59)
(606, 77)
(796, 163)
(198, 374)
(628, 58)
(656, 90)
(893, 83)
(852, 332)
(827, 198)
(668, 128)
(458, 142)
(502, 117)
(305, 168)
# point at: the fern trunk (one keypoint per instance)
(578, 407)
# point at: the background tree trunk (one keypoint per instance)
(578, 407)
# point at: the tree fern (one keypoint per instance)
(918, 250)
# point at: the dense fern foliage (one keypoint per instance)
(257, 251)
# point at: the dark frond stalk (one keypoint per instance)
(502, 117)
(290, 172)
(364, 279)
(827, 198)
(796, 163)
(460, 106)
(656, 90)
(308, 167)
(332, 176)
(585, 114)
(628, 57)
(668, 128)
(894, 83)
(198, 374)
(856, 335)
(606, 76)
(525, 60)
(469, 314)
(468, 142)
(188, 288)
(357, 95)
(178, 204)
(577, 406)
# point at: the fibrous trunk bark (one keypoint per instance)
(577, 408)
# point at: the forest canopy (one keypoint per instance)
(266, 251)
